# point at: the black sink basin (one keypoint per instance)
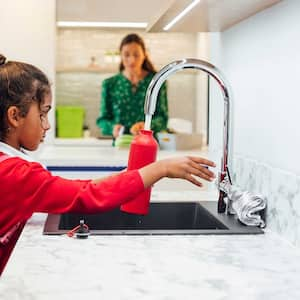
(163, 218)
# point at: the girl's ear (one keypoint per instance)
(13, 116)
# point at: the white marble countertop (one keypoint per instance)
(214, 267)
(100, 153)
(150, 267)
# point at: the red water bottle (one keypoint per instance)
(143, 150)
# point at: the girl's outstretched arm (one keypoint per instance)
(187, 168)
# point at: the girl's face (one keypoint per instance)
(133, 57)
(33, 126)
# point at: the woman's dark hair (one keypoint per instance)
(21, 84)
(134, 38)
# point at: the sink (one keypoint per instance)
(164, 218)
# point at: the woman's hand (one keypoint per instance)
(135, 128)
(116, 130)
(187, 168)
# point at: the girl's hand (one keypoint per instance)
(187, 168)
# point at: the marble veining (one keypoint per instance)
(150, 267)
(282, 190)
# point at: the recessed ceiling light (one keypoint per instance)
(102, 24)
(181, 15)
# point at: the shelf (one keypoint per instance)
(110, 70)
(101, 70)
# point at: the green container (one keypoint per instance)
(69, 121)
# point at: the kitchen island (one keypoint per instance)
(210, 267)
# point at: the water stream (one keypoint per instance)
(148, 119)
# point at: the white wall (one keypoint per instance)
(27, 33)
(201, 87)
(261, 60)
(216, 100)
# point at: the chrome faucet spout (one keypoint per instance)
(191, 63)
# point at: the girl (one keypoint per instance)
(27, 187)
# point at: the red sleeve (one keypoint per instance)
(28, 188)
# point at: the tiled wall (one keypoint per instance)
(75, 47)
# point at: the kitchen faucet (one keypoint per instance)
(191, 63)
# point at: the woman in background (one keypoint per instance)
(123, 95)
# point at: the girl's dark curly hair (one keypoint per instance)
(20, 85)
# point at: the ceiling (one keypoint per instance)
(208, 15)
(110, 10)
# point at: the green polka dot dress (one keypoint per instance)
(123, 103)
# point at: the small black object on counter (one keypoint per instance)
(83, 231)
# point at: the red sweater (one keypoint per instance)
(26, 187)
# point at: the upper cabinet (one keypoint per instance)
(207, 15)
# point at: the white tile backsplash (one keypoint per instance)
(76, 46)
